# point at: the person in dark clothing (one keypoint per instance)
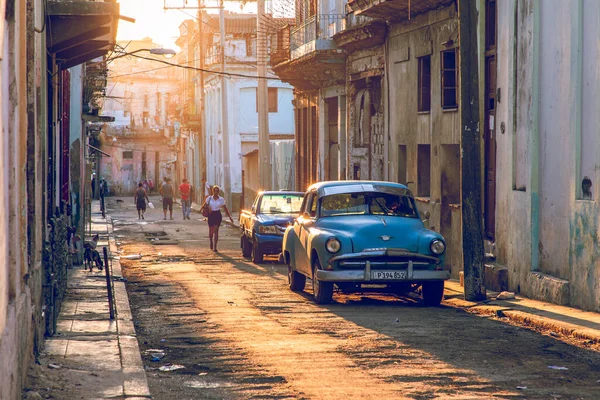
(140, 197)
(166, 191)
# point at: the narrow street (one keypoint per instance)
(239, 332)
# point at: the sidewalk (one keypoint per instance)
(91, 356)
(560, 320)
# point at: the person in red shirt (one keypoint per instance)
(185, 191)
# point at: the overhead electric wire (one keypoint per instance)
(208, 71)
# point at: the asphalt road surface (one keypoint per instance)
(239, 332)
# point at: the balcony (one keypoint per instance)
(315, 34)
(360, 32)
(395, 10)
(213, 56)
(306, 56)
(135, 133)
(280, 46)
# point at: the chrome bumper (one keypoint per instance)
(364, 275)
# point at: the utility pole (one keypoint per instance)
(471, 153)
(264, 147)
(201, 133)
(224, 122)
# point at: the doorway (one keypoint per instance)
(489, 123)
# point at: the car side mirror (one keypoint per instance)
(426, 216)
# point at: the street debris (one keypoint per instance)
(156, 354)
(505, 296)
(119, 278)
(521, 387)
(54, 366)
(558, 368)
(171, 367)
(132, 257)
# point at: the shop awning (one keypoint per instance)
(79, 31)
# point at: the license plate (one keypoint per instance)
(385, 275)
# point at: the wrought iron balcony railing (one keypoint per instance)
(351, 20)
(318, 28)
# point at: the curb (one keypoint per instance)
(526, 319)
(135, 383)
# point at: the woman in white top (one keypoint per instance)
(214, 203)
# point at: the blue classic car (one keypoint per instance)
(356, 233)
(262, 226)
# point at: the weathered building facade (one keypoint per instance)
(42, 145)
(305, 55)
(144, 142)
(547, 160)
(231, 126)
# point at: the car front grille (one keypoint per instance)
(382, 264)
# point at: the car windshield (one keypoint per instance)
(375, 203)
(281, 204)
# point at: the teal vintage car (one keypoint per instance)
(359, 234)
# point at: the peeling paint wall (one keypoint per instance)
(548, 72)
(20, 278)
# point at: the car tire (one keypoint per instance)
(433, 293)
(246, 247)
(296, 281)
(322, 291)
(257, 255)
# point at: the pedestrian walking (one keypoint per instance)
(166, 191)
(93, 184)
(151, 186)
(215, 203)
(140, 197)
(185, 191)
(145, 185)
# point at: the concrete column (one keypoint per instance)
(342, 139)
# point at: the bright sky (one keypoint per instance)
(151, 20)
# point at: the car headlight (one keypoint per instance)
(268, 229)
(437, 247)
(333, 245)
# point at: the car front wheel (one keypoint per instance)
(433, 292)
(296, 281)
(322, 291)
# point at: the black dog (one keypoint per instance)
(91, 255)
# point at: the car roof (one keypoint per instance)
(282, 193)
(356, 186)
(320, 185)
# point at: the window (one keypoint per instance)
(128, 155)
(424, 83)
(272, 98)
(423, 169)
(449, 79)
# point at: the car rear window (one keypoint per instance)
(281, 204)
